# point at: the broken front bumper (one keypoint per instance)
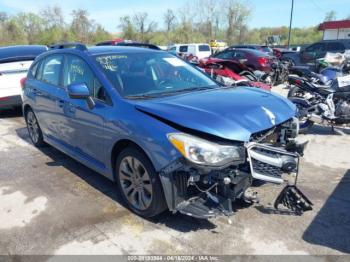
(208, 193)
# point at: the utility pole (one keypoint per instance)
(290, 24)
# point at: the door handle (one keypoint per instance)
(60, 103)
(37, 92)
(71, 108)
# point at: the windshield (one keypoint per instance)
(151, 74)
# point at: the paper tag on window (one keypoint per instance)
(175, 61)
(344, 81)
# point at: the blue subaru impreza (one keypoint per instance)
(167, 134)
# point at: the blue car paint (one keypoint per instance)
(237, 114)
(90, 135)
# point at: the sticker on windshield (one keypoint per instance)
(109, 63)
(174, 61)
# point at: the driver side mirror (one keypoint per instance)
(81, 91)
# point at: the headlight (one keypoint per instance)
(204, 152)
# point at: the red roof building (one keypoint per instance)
(334, 30)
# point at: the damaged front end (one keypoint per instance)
(205, 191)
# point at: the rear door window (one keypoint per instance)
(50, 70)
(183, 49)
(335, 47)
(319, 47)
(225, 55)
(204, 48)
(240, 54)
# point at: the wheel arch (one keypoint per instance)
(119, 146)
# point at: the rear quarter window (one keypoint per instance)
(204, 48)
(256, 53)
(34, 69)
(335, 47)
(50, 69)
(183, 49)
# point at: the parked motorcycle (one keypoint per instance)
(321, 104)
(280, 72)
(325, 75)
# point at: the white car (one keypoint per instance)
(14, 64)
(197, 50)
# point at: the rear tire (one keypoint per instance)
(34, 130)
(138, 183)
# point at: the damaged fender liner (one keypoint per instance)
(214, 198)
(218, 188)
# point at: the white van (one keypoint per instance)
(198, 50)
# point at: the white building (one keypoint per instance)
(334, 30)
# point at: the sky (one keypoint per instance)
(265, 13)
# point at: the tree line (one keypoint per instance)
(195, 21)
(48, 27)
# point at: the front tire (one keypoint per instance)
(139, 183)
(304, 122)
(34, 130)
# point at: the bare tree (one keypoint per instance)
(82, 26)
(127, 27)
(169, 20)
(143, 27)
(52, 17)
(236, 19)
(330, 16)
(208, 16)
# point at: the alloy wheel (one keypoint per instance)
(33, 127)
(136, 183)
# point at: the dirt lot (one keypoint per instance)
(51, 204)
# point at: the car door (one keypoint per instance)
(43, 90)
(240, 56)
(86, 127)
(313, 52)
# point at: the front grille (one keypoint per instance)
(266, 169)
(267, 162)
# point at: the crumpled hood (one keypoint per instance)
(231, 113)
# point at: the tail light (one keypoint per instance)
(263, 61)
(23, 82)
(298, 82)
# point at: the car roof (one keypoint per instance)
(21, 52)
(99, 50)
(144, 45)
(251, 51)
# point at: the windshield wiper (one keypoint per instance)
(154, 95)
(145, 96)
(185, 90)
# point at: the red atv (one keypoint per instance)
(234, 73)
